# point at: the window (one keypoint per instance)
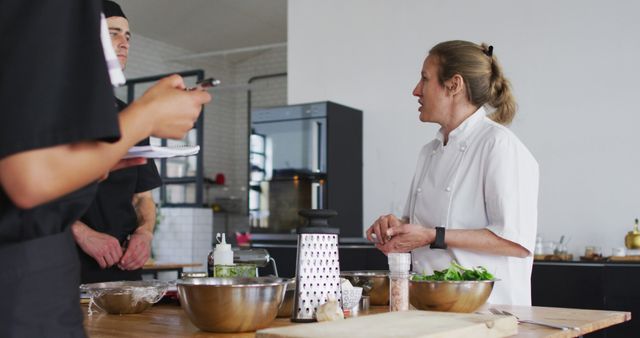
(181, 176)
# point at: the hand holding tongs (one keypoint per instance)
(204, 84)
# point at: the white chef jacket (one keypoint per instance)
(483, 178)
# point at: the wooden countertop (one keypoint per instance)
(587, 320)
(169, 320)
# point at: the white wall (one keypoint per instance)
(184, 236)
(225, 134)
(574, 67)
(149, 57)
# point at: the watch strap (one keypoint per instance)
(439, 243)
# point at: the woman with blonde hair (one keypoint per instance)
(473, 198)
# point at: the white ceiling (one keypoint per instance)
(209, 25)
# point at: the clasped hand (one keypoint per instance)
(106, 249)
(394, 235)
(137, 251)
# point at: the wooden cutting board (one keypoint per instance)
(403, 324)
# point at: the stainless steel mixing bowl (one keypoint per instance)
(125, 297)
(231, 304)
(449, 296)
(286, 309)
(375, 284)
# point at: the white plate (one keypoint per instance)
(161, 152)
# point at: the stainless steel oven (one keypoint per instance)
(296, 153)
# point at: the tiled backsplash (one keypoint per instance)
(225, 147)
(184, 235)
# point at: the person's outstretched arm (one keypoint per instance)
(34, 177)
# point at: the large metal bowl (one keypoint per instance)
(125, 297)
(375, 284)
(286, 308)
(449, 296)
(231, 304)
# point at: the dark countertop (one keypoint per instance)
(588, 263)
(291, 240)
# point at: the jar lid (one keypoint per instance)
(399, 262)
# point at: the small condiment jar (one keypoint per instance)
(399, 266)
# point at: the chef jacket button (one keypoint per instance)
(463, 148)
(448, 189)
(419, 190)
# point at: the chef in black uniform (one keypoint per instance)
(60, 132)
(123, 212)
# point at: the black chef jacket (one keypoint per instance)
(113, 213)
(54, 89)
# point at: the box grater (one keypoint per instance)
(318, 265)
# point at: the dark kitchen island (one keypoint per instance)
(590, 285)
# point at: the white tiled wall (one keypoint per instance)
(184, 235)
(149, 57)
(265, 93)
(225, 146)
(226, 119)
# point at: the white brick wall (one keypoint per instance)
(226, 119)
(234, 148)
(225, 134)
(184, 235)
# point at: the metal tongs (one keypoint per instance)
(204, 84)
(534, 322)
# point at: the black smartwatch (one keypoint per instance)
(438, 243)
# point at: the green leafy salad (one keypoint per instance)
(237, 270)
(456, 272)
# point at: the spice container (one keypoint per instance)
(221, 258)
(588, 251)
(399, 265)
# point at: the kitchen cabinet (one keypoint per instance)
(587, 285)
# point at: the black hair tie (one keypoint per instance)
(489, 51)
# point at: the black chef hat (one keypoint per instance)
(111, 8)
